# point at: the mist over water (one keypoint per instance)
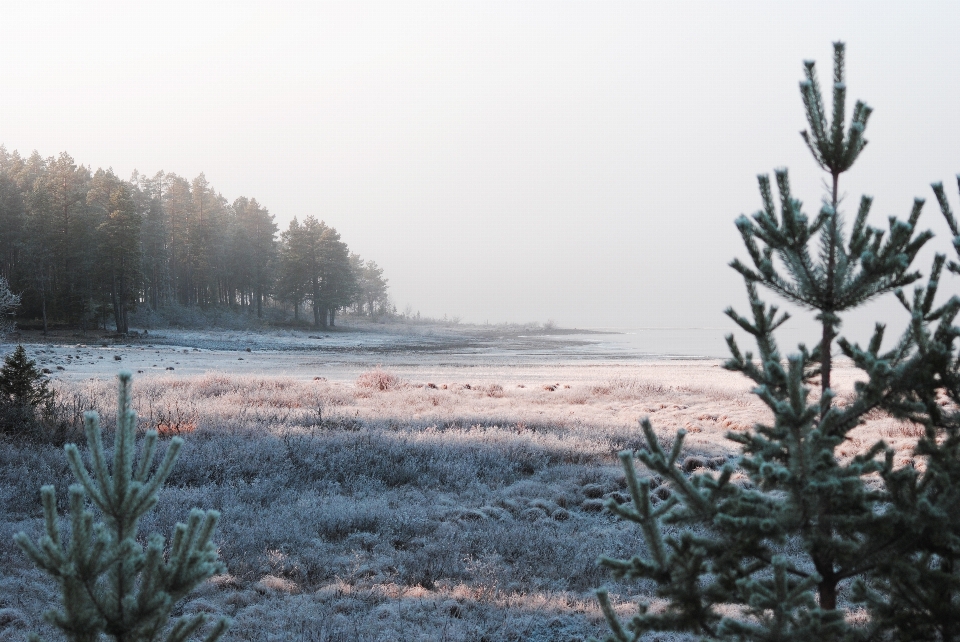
(669, 343)
(663, 342)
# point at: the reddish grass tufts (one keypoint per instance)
(175, 429)
(494, 390)
(378, 379)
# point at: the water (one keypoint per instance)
(667, 343)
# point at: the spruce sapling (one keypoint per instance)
(23, 389)
(768, 558)
(109, 584)
(21, 382)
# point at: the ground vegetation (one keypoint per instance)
(461, 507)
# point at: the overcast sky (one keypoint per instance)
(575, 161)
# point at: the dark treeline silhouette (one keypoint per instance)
(85, 248)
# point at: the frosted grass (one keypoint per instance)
(459, 507)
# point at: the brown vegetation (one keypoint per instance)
(386, 510)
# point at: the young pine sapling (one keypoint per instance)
(109, 584)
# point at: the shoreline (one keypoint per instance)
(415, 352)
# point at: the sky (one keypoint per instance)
(577, 162)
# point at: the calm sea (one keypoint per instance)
(649, 343)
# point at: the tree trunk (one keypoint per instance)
(43, 305)
(115, 303)
(829, 322)
(827, 589)
(319, 312)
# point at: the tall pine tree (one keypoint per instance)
(120, 243)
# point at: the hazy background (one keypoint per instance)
(575, 161)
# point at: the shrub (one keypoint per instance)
(109, 584)
(378, 379)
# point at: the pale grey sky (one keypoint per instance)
(503, 161)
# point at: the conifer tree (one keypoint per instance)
(23, 389)
(769, 558)
(120, 248)
(109, 584)
(21, 382)
(916, 593)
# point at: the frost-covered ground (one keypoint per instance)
(455, 493)
(339, 354)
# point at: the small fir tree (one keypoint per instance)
(110, 585)
(24, 391)
(769, 558)
(21, 382)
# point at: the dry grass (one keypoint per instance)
(393, 509)
(378, 379)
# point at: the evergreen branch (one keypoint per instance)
(218, 630)
(618, 632)
(945, 206)
(858, 239)
(146, 456)
(839, 100)
(95, 489)
(640, 493)
(108, 583)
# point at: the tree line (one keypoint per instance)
(85, 248)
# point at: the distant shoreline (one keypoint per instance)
(567, 331)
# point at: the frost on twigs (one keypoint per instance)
(109, 583)
(9, 302)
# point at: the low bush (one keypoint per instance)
(378, 379)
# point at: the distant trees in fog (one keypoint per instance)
(84, 248)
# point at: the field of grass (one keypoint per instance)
(391, 508)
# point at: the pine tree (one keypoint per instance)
(21, 382)
(338, 284)
(769, 559)
(371, 286)
(292, 285)
(916, 593)
(257, 252)
(120, 249)
(109, 584)
(24, 391)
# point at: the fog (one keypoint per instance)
(575, 162)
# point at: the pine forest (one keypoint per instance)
(85, 249)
